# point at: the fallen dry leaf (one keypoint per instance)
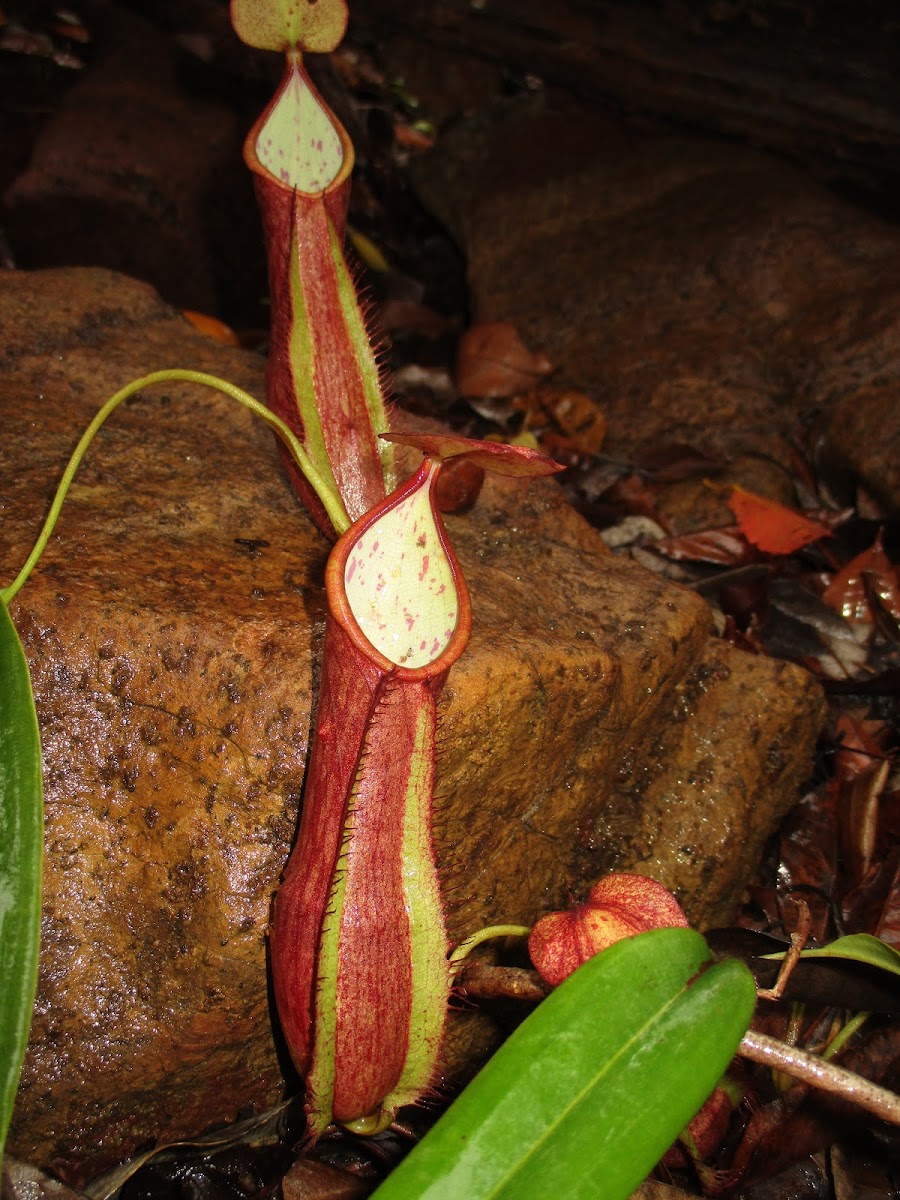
(311, 1180)
(212, 327)
(492, 360)
(861, 743)
(870, 573)
(726, 547)
(577, 417)
(803, 628)
(670, 461)
(773, 527)
(888, 928)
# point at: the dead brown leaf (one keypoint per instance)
(492, 360)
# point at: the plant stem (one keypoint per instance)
(481, 981)
(840, 1040)
(467, 945)
(826, 1076)
(330, 501)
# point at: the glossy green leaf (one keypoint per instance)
(21, 833)
(591, 1090)
(857, 947)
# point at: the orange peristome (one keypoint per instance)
(298, 141)
(619, 906)
(341, 565)
(772, 527)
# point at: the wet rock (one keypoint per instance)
(862, 432)
(138, 171)
(702, 292)
(724, 735)
(816, 88)
(172, 628)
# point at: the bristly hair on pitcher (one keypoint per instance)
(358, 943)
(359, 948)
(323, 377)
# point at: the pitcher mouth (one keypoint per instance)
(395, 586)
(298, 142)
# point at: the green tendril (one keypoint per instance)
(331, 502)
(467, 945)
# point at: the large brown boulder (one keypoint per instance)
(703, 292)
(139, 171)
(172, 628)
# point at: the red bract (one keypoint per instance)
(619, 906)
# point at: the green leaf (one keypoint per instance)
(592, 1089)
(21, 836)
(857, 947)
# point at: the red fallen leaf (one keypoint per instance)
(809, 856)
(862, 908)
(706, 1132)
(861, 744)
(888, 928)
(771, 526)
(850, 590)
(309, 1178)
(68, 25)
(492, 360)
(858, 823)
(671, 461)
(577, 417)
(639, 499)
(726, 547)
(743, 641)
(212, 327)
(413, 137)
(803, 628)
(409, 316)
(744, 597)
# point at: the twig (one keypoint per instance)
(825, 1076)
(482, 981)
(799, 939)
